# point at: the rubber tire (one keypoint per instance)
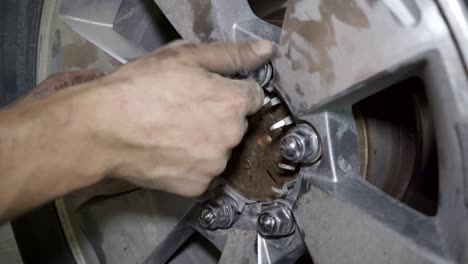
(39, 234)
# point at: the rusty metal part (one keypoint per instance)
(254, 170)
(387, 140)
(387, 137)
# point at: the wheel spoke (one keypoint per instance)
(209, 20)
(240, 247)
(452, 145)
(353, 222)
(130, 227)
(274, 250)
(336, 54)
(94, 21)
(100, 192)
(176, 237)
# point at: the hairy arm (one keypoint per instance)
(167, 121)
(46, 150)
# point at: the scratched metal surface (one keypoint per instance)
(327, 60)
(333, 49)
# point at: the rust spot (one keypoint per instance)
(253, 170)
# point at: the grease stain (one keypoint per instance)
(317, 37)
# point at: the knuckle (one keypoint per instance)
(218, 167)
(188, 47)
(186, 50)
(167, 53)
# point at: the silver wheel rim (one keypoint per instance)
(335, 207)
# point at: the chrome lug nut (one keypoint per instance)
(263, 75)
(276, 220)
(207, 217)
(291, 148)
(266, 223)
(218, 213)
(301, 145)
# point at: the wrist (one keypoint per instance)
(47, 151)
(111, 125)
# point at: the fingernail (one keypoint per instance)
(263, 47)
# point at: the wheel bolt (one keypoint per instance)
(301, 145)
(218, 213)
(275, 220)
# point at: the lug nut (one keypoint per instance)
(263, 75)
(275, 220)
(207, 217)
(291, 147)
(301, 145)
(218, 213)
(266, 223)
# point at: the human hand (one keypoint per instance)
(170, 119)
(59, 81)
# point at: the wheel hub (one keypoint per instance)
(253, 169)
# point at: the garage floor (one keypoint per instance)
(8, 250)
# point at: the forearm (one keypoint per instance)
(45, 152)
(154, 122)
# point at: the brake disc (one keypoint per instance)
(331, 56)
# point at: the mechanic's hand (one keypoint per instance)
(171, 118)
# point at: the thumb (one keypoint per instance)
(230, 57)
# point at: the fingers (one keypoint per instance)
(229, 58)
(254, 95)
(247, 95)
